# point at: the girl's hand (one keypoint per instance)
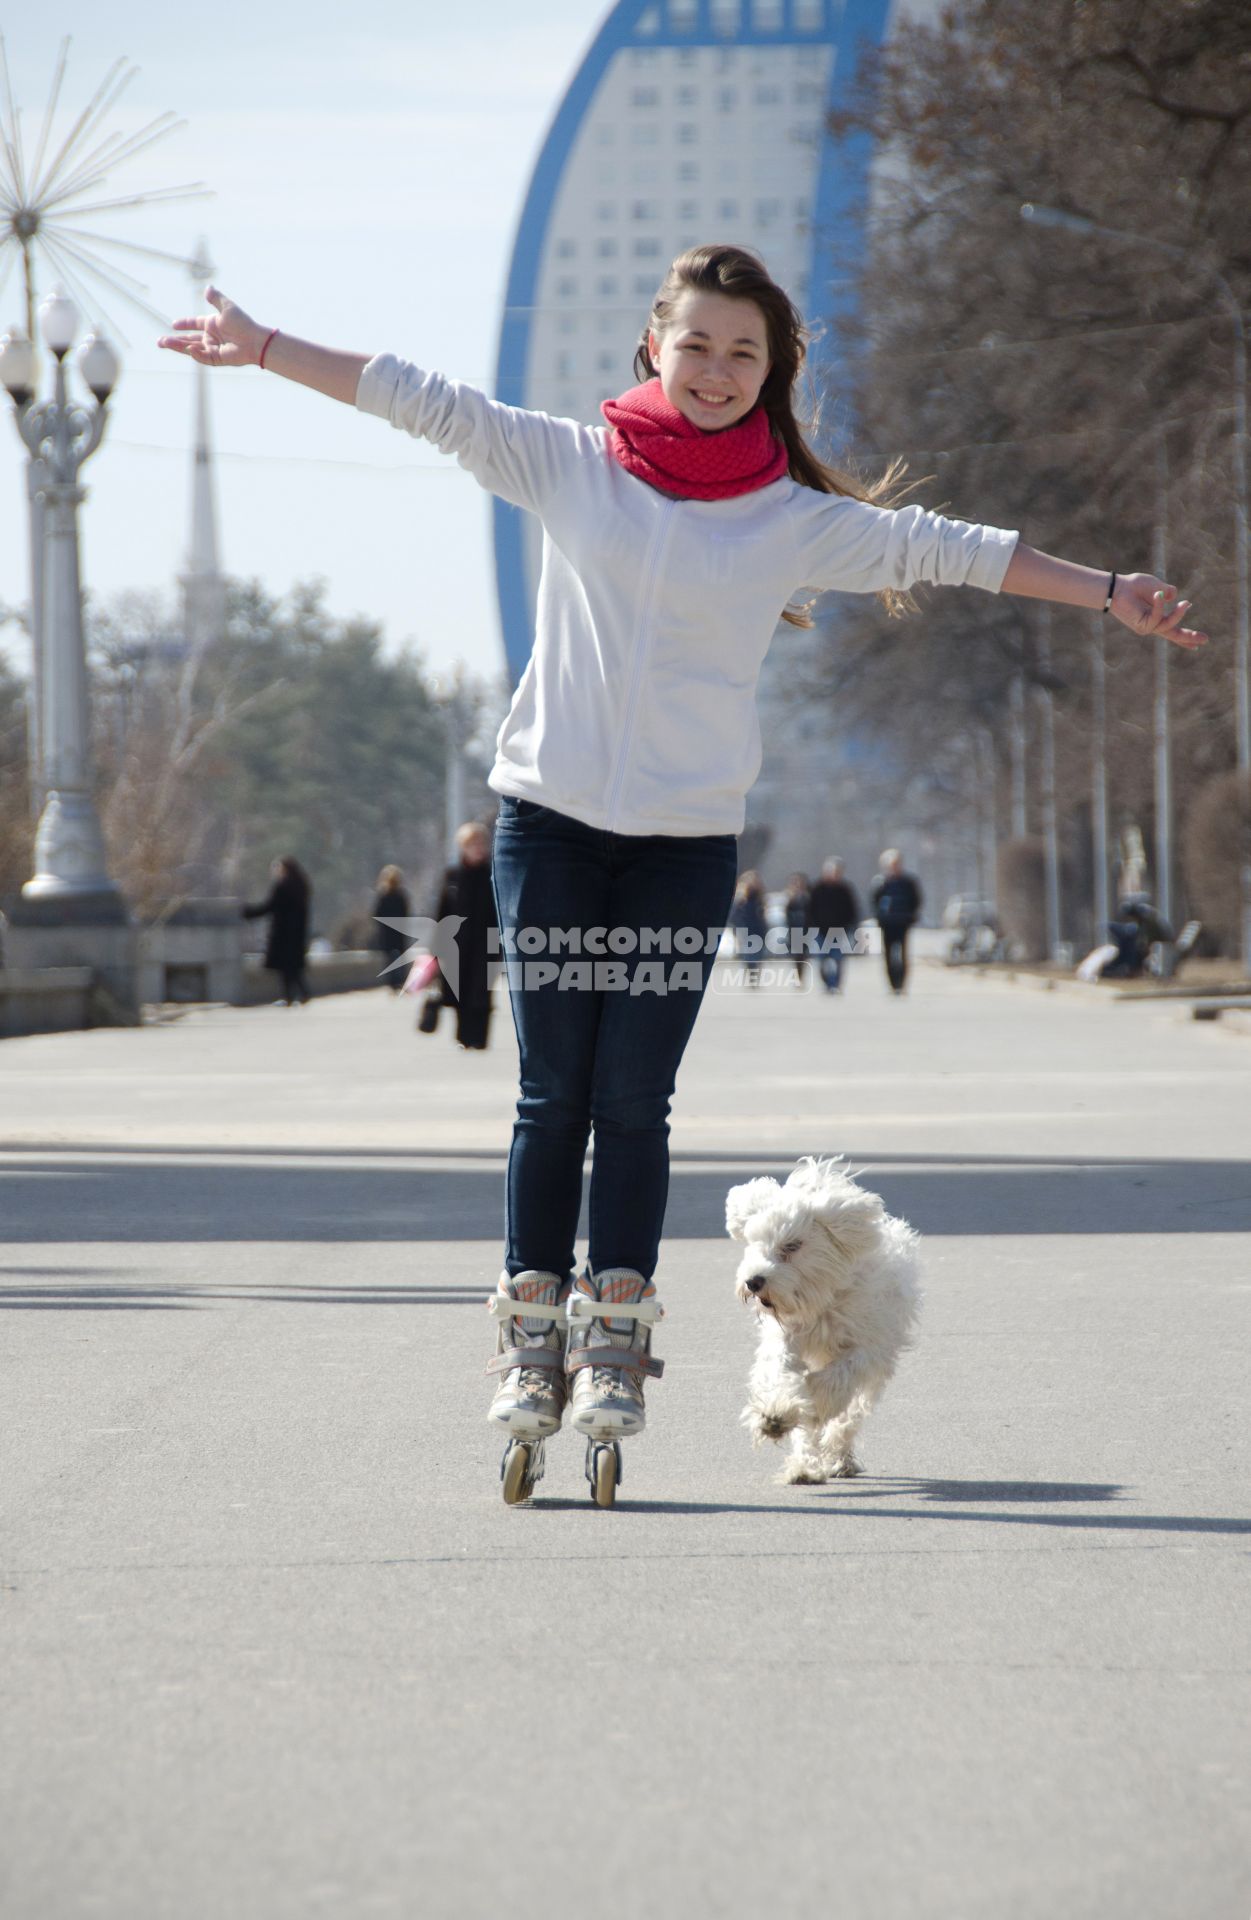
(1146, 605)
(227, 337)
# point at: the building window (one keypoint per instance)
(606, 210)
(606, 362)
(607, 287)
(647, 249)
(727, 209)
(809, 16)
(683, 18)
(727, 17)
(767, 211)
(645, 285)
(647, 134)
(809, 93)
(645, 97)
(565, 366)
(688, 133)
(727, 99)
(688, 209)
(644, 210)
(768, 96)
(767, 16)
(566, 323)
(687, 96)
(606, 249)
(567, 289)
(688, 172)
(566, 249)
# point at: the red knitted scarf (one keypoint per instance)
(656, 443)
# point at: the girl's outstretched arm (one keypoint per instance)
(1140, 601)
(229, 337)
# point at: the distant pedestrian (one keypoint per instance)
(1138, 927)
(748, 921)
(833, 915)
(796, 906)
(286, 906)
(391, 902)
(467, 892)
(897, 904)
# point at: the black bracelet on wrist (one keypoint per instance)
(1111, 590)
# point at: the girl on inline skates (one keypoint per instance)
(673, 539)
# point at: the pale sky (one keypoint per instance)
(367, 186)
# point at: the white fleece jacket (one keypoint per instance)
(637, 710)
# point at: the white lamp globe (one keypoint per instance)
(17, 366)
(99, 365)
(58, 322)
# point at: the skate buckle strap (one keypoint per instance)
(510, 1358)
(502, 1306)
(582, 1307)
(626, 1359)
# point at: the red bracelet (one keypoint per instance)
(265, 349)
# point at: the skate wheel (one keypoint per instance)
(516, 1475)
(604, 1476)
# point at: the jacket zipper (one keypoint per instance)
(640, 655)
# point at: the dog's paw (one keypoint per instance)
(846, 1468)
(802, 1473)
(768, 1423)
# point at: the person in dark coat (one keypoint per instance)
(797, 891)
(1140, 927)
(833, 915)
(467, 892)
(286, 905)
(749, 922)
(897, 904)
(391, 902)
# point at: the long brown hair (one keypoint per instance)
(742, 275)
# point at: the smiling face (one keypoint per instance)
(712, 358)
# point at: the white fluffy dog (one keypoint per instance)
(832, 1278)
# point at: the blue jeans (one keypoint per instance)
(594, 1054)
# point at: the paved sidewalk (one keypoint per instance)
(273, 1647)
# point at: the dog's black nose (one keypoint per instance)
(756, 1284)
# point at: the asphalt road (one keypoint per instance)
(272, 1646)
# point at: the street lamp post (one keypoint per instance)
(59, 437)
(1050, 822)
(69, 914)
(1099, 780)
(1077, 223)
(449, 697)
(35, 478)
(1163, 722)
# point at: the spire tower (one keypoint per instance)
(203, 584)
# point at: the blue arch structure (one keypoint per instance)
(837, 217)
